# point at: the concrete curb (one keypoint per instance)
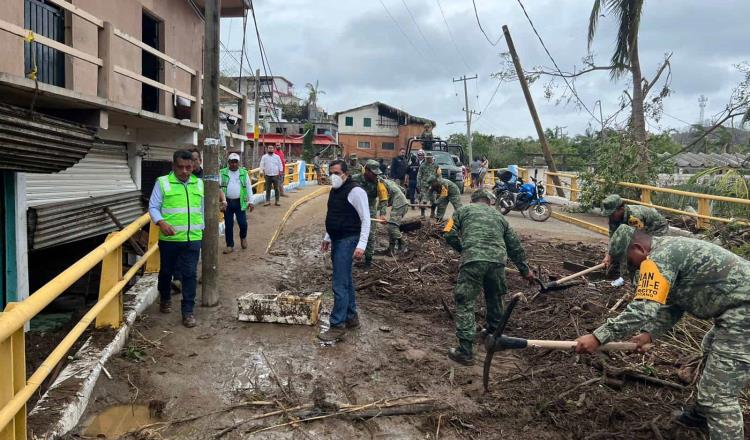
(52, 419)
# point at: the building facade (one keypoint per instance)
(377, 130)
(95, 96)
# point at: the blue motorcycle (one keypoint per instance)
(512, 194)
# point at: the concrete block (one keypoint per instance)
(281, 308)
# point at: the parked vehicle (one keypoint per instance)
(512, 194)
(448, 157)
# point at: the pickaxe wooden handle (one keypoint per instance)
(381, 221)
(507, 342)
(563, 280)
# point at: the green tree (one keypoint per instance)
(308, 151)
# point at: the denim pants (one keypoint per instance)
(411, 191)
(179, 257)
(272, 181)
(234, 208)
(344, 304)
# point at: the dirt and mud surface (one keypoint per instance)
(214, 381)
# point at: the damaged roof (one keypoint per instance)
(392, 112)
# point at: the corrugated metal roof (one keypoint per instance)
(57, 223)
(703, 160)
(103, 171)
(35, 143)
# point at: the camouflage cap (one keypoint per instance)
(373, 166)
(482, 194)
(610, 204)
(619, 243)
(353, 156)
(431, 180)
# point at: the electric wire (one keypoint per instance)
(450, 34)
(570, 86)
(489, 40)
(499, 83)
(419, 29)
(402, 30)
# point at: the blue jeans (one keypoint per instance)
(344, 304)
(411, 191)
(179, 257)
(234, 208)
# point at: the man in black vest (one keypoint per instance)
(347, 229)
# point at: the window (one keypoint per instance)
(363, 145)
(388, 146)
(321, 131)
(301, 130)
(368, 122)
(278, 130)
(349, 121)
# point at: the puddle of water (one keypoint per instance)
(116, 420)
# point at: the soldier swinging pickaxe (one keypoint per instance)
(497, 341)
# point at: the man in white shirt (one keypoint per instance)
(272, 168)
(347, 230)
(236, 187)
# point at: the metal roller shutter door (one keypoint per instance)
(104, 171)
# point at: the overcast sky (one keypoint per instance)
(359, 55)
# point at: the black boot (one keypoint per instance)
(690, 418)
(461, 356)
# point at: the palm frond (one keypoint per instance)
(593, 21)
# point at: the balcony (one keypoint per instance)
(98, 73)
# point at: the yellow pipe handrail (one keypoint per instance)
(28, 308)
(9, 411)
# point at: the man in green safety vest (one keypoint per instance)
(176, 206)
(235, 184)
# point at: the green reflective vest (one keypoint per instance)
(243, 187)
(181, 207)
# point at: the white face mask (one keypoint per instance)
(336, 181)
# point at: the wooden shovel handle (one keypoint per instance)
(568, 345)
(579, 274)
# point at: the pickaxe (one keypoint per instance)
(556, 285)
(382, 221)
(497, 341)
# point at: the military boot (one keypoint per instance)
(402, 246)
(461, 356)
(690, 418)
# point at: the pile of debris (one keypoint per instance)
(613, 395)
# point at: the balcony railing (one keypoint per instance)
(107, 68)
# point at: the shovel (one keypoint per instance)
(556, 285)
(497, 342)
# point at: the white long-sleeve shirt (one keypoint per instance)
(271, 165)
(358, 199)
(234, 186)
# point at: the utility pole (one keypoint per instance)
(702, 101)
(534, 115)
(256, 127)
(469, 113)
(211, 146)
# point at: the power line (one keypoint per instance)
(450, 34)
(419, 29)
(499, 83)
(401, 29)
(264, 60)
(570, 86)
(476, 14)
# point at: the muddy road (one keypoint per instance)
(399, 351)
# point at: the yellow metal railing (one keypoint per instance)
(703, 216)
(290, 176)
(15, 389)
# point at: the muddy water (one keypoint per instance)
(116, 420)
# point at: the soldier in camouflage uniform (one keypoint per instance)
(427, 169)
(368, 181)
(637, 216)
(355, 168)
(679, 275)
(445, 191)
(390, 194)
(485, 240)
